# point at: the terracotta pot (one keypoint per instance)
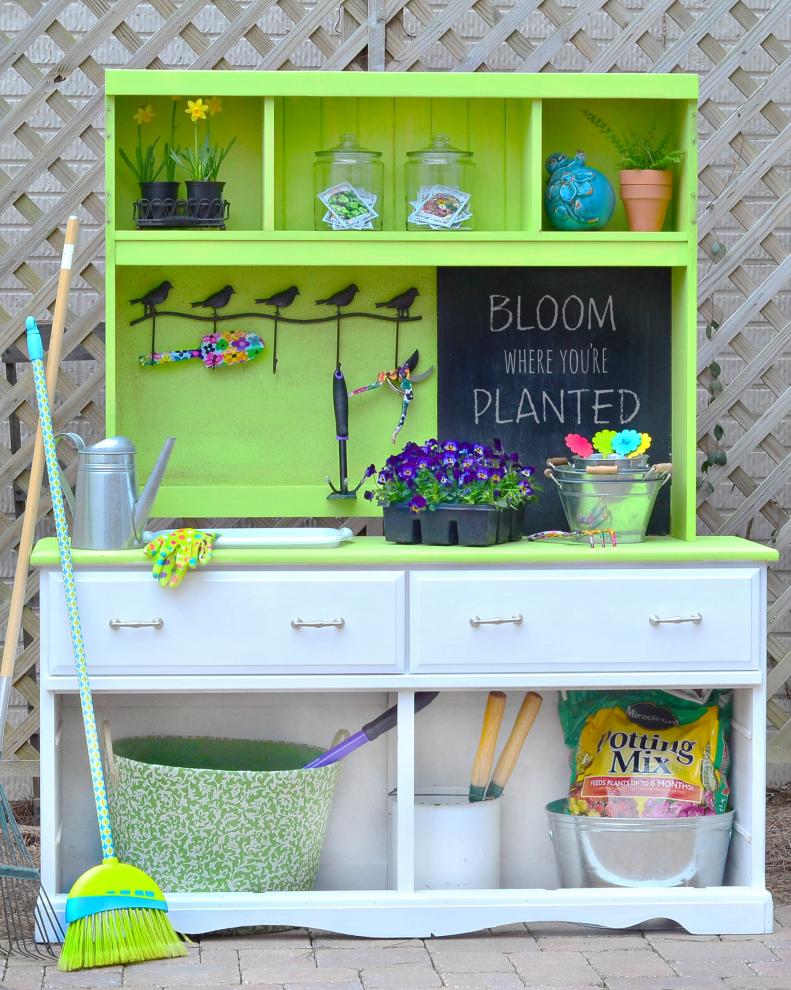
(646, 194)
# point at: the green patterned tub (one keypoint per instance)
(220, 814)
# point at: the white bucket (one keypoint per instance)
(457, 844)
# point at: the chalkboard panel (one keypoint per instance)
(531, 354)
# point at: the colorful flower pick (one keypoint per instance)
(579, 445)
(645, 443)
(602, 441)
(626, 442)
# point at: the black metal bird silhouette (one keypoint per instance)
(400, 303)
(342, 298)
(153, 298)
(217, 300)
(281, 299)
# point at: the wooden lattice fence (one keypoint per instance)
(52, 64)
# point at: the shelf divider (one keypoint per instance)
(405, 782)
(268, 153)
(534, 195)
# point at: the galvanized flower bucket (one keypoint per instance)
(602, 496)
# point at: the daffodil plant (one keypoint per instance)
(144, 167)
(169, 161)
(202, 162)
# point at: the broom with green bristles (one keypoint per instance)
(115, 913)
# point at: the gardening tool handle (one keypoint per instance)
(37, 466)
(340, 736)
(388, 719)
(36, 351)
(340, 403)
(601, 469)
(523, 723)
(109, 753)
(484, 757)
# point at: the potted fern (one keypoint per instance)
(646, 176)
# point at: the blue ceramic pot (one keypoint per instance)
(578, 197)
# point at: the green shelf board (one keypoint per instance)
(374, 551)
(579, 86)
(399, 248)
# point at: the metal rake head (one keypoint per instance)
(28, 923)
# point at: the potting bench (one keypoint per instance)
(296, 643)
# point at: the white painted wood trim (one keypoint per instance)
(214, 684)
(405, 805)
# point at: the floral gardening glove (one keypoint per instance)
(178, 552)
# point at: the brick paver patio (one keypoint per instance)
(538, 957)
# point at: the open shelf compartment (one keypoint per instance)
(355, 874)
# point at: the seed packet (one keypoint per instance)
(441, 205)
(330, 220)
(646, 754)
(440, 208)
(350, 207)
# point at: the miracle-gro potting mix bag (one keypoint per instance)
(646, 754)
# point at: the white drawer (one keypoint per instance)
(589, 619)
(220, 622)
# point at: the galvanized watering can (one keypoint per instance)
(106, 511)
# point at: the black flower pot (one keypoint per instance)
(159, 199)
(450, 525)
(205, 200)
(402, 525)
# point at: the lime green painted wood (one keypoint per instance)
(109, 291)
(412, 129)
(373, 551)
(242, 170)
(236, 426)
(395, 126)
(242, 432)
(544, 85)
(269, 168)
(565, 129)
(109, 167)
(275, 498)
(397, 248)
(534, 198)
(683, 376)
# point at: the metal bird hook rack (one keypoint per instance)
(156, 297)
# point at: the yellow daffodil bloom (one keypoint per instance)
(214, 104)
(196, 109)
(144, 115)
(645, 443)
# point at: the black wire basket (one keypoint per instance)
(170, 213)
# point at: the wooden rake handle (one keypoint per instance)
(484, 758)
(37, 466)
(523, 723)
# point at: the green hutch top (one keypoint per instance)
(251, 443)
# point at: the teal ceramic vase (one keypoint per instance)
(578, 197)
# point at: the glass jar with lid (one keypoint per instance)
(347, 182)
(439, 187)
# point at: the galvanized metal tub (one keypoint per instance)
(620, 502)
(639, 852)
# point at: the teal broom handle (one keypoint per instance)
(36, 352)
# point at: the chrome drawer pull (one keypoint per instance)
(316, 623)
(476, 621)
(137, 623)
(675, 620)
